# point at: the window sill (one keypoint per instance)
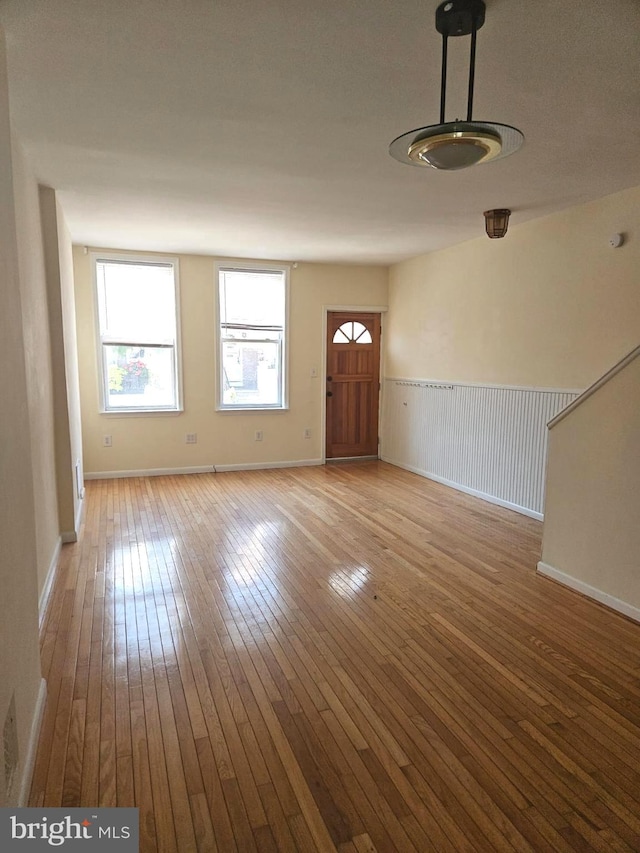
(245, 409)
(140, 413)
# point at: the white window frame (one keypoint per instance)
(103, 395)
(253, 267)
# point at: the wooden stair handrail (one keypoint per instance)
(596, 385)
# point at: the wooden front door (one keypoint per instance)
(353, 384)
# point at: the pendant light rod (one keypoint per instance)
(453, 145)
(472, 69)
(443, 78)
(458, 18)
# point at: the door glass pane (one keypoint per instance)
(352, 332)
(340, 337)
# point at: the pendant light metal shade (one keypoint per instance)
(449, 146)
(456, 144)
(497, 222)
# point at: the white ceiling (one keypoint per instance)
(260, 128)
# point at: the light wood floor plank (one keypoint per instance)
(343, 658)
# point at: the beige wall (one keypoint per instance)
(66, 392)
(19, 653)
(224, 438)
(550, 305)
(38, 362)
(70, 341)
(592, 507)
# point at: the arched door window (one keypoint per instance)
(352, 333)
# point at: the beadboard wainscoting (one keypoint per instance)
(488, 440)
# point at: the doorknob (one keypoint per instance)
(329, 393)
(329, 378)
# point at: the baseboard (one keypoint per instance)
(333, 459)
(48, 581)
(200, 469)
(258, 466)
(69, 536)
(523, 510)
(78, 519)
(590, 591)
(147, 472)
(32, 748)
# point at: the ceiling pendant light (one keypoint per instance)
(457, 144)
(496, 222)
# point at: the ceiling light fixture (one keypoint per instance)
(496, 222)
(457, 144)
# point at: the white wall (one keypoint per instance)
(154, 442)
(485, 440)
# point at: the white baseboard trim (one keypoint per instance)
(78, 519)
(148, 472)
(32, 748)
(590, 591)
(331, 459)
(259, 466)
(69, 536)
(523, 510)
(200, 469)
(48, 581)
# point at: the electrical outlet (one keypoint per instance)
(259, 435)
(306, 433)
(106, 441)
(314, 372)
(191, 438)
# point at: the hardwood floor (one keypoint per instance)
(343, 658)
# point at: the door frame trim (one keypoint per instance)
(346, 309)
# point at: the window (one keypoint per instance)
(252, 309)
(352, 333)
(138, 333)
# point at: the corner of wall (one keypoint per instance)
(48, 582)
(19, 652)
(599, 595)
(60, 287)
(34, 734)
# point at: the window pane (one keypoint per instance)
(252, 298)
(352, 332)
(252, 334)
(139, 377)
(253, 307)
(251, 373)
(136, 301)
